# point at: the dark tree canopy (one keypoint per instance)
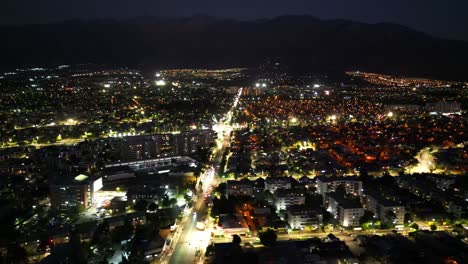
(268, 238)
(367, 217)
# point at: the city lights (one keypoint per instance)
(211, 154)
(160, 83)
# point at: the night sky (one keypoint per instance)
(444, 18)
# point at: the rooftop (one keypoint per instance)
(345, 203)
(382, 200)
(81, 178)
(280, 180)
(324, 178)
(288, 193)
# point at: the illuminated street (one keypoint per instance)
(192, 240)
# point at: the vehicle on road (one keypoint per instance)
(200, 226)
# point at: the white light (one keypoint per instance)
(390, 114)
(97, 185)
(160, 83)
(257, 85)
(107, 85)
(180, 202)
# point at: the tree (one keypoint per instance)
(236, 240)
(210, 250)
(327, 217)
(269, 197)
(101, 230)
(166, 202)
(16, 254)
(433, 227)
(104, 247)
(215, 210)
(340, 190)
(313, 200)
(458, 228)
(172, 202)
(409, 218)
(122, 232)
(268, 238)
(367, 217)
(390, 216)
(415, 226)
(77, 248)
(367, 181)
(387, 181)
(140, 205)
(152, 207)
(221, 189)
(223, 206)
(235, 253)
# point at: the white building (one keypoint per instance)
(118, 173)
(274, 183)
(328, 184)
(455, 208)
(242, 187)
(442, 181)
(346, 212)
(381, 206)
(300, 217)
(231, 224)
(288, 197)
(71, 191)
(443, 107)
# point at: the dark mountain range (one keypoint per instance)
(304, 43)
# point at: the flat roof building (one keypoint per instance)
(382, 207)
(69, 191)
(346, 212)
(351, 184)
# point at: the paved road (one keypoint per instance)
(191, 239)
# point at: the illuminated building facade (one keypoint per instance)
(72, 192)
(160, 145)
